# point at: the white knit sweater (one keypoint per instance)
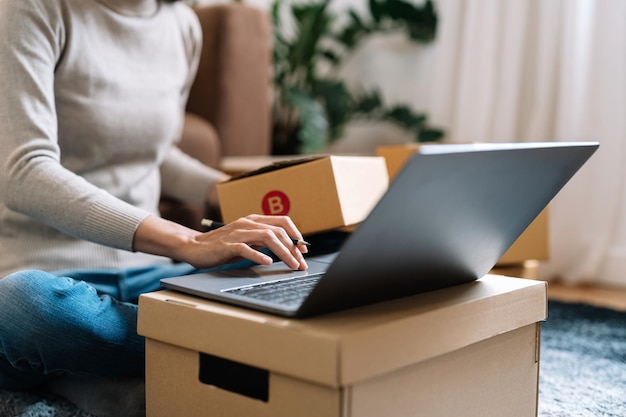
(91, 101)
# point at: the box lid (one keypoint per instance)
(342, 348)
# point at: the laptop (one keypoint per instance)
(446, 219)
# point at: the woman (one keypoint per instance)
(93, 94)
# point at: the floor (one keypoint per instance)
(614, 298)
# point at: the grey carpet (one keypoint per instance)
(582, 369)
(37, 404)
(583, 362)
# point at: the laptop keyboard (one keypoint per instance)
(286, 292)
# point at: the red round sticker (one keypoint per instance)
(276, 203)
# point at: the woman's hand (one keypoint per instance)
(236, 240)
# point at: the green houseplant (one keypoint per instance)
(312, 105)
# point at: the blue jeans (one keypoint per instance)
(77, 322)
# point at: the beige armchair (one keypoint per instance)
(229, 108)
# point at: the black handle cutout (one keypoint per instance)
(234, 377)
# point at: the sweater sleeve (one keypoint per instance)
(186, 178)
(32, 180)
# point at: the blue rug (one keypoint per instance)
(37, 404)
(583, 362)
(582, 369)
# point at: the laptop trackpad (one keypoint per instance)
(277, 270)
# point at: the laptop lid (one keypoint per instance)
(446, 219)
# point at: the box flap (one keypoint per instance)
(275, 166)
(349, 346)
(360, 182)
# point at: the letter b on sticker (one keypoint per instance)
(275, 203)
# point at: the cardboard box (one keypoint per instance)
(319, 193)
(469, 350)
(533, 244)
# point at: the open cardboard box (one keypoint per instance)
(469, 350)
(318, 193)
(533, 244)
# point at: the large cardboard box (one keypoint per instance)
(318, 193)
(469, 350)
(533, 244)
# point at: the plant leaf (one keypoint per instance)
(429, 135)
(376, 10)
(313, 24)
(404, 116)
(331, 56)
(337, 100)
(368, 101)
(312, 121)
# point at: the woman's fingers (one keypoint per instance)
(293, 259)
(276, 233)
(283, 222)
(282, 226)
